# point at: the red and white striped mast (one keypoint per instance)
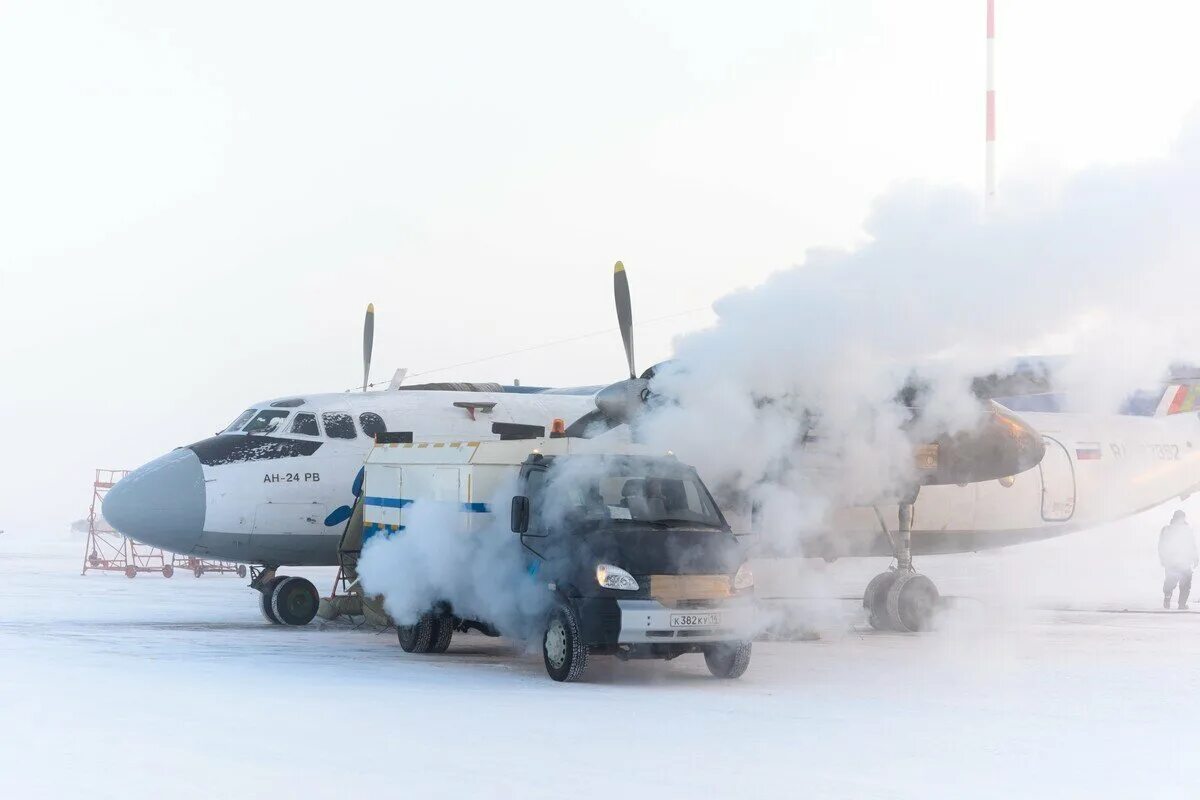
(989, 190)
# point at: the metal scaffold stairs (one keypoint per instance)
(106, 550)
(347, 597)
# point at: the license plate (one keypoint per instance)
(695, 620)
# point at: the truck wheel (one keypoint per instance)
(294, 601)
(442, 636)
(728, 660)
(419, 637)
(564, 653)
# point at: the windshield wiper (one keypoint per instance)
(668, 521)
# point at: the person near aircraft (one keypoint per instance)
(1178, 556)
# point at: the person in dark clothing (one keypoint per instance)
(1177, 553)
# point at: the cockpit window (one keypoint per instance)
(266, 421)
(338, 426)
(372, 423)
(240, 421)
(306, 425)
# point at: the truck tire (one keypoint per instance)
(728, 661)
(442, 636)
(417, 638)
(563, 652)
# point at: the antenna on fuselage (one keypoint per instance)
(368, 343)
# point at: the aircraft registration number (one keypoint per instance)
(292, 477)
(695, 620)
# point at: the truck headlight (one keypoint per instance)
(611, 577)
(744, 579)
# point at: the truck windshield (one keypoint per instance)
(623, 489)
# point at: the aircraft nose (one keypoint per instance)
(160, 503)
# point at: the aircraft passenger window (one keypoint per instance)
(305, 424)
(338, 426)
(266, 421)
(371, 423)
(241, 420)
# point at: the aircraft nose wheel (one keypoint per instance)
(901, 600)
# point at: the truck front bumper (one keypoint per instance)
(608, 621)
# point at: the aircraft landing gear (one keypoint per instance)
(901, 599)
(284, 599)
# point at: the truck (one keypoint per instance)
(636, 558)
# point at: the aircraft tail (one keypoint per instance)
(1179, 398)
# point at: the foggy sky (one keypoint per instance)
(199, 200)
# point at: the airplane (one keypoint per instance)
(276, 486)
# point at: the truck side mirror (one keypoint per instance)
(520, 514)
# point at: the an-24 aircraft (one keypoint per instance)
(275, 487)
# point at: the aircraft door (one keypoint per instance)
(1058, 482)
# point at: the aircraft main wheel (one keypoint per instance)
(241, 570)
(417, 638)
(728, 660)
(445, 632)
(875, 600)
(168, 570)
(131, 572)
(198, 571)
(294, 601)
(264, 600)
(911, 602)
(563, 652)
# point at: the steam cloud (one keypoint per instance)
(1105, 269)
(442, 557)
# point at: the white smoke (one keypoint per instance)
(471, 561)
(1104, 268)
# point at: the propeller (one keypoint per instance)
(368, 343)
(618, 402)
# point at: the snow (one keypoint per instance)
(111, 687)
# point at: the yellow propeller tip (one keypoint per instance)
(619, 267)
(370, 308)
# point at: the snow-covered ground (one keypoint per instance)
(1032, 687)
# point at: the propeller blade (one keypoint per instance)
(368, 343)
(593, 423)
(624, 313)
